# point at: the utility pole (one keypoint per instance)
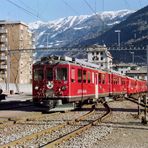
(147, 86)
(118, 37)
(144, 119)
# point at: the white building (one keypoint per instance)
(139, 73)
(100, 55)
(124, 67)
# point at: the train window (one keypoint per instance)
(84, 76)
(103, 78)
(89, 77)
(38, 74)
(49, 74)
(93, 77)
(61, 74)
(99, 78)
(73, 75)
(79, 75)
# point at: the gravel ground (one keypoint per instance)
(121, 130)
(128, 132)
(16, 131)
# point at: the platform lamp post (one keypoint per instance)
(47, 39)
(133, 54)
(118, 37)
(145, 113)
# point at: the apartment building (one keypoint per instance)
(15, 62)
(100, 55)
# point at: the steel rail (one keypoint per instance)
(44, 132)
(16, 119)
(134, 101)
(80, 130)
(7, 121)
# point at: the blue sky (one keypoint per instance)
(47, 10)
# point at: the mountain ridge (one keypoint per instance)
(71, 30)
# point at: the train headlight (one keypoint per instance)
(36, 87)
(63, 88)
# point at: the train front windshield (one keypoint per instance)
(38, 74)
(61, 74)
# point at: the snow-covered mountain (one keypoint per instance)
(71, 30)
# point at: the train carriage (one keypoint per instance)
(74, 81)
(131, 86)
(118, 84)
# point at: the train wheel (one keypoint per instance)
(51, 103)
(79, 104)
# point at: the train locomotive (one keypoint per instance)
(67, 80)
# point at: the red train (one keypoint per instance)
(73, 80)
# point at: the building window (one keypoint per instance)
(101, 58)
(93, 53)
(101, 53)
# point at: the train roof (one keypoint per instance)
(52, 60)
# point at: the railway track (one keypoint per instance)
(136, 101)
(74, 129)
(79, 130)
(10, 121)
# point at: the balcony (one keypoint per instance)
(3, 49)
(3, 57)
(2, 71)
(3, 66)
(3, 39)
(3, 30)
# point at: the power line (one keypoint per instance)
(20, 7)
(67, 4)
(127, 4)
(28, 7)
(89, 6)
(140, 3)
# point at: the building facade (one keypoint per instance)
(101, 56)
(3, 52)
(139, 73)
(122, 68)
(15, 63)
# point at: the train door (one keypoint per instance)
(96, 85)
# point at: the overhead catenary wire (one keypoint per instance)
(67, 4)
(140, 3)
(28, 7)
(90, 7)
(24, 9)
(127, 4)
